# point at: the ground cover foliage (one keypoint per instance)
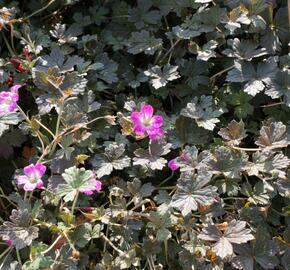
(148, 134)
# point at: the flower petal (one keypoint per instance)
(21, 179)
(86, 191)
(147, 111)
(15, 88)
(136, 118)
(98, 185)
(173, 165)
(40, 168)
(29, 170)
(139, 130)
(29, 186)
(155, 133)
(157, 121)
(9, 242)
(39, 184)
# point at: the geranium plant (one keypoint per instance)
(148, 134)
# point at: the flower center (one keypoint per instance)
(33, 178)
(146, 122)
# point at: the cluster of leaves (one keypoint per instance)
(216, 71)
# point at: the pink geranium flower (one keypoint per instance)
(8, 100)
(147, 123)
(9, 242)
(32, 178)
(172, 164)
(89, 192)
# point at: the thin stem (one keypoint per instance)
(74, 203)
(167, 179)
(84, 125)
(221, 72)
(5, 251)
(11, 37)
(30, 195)
(166, 251)
(140, 204)
(170, 187)
(18, 256)
(47, 129)
(57, 127)
(122, 253)
(272, 104)
(234, 198)
(150, 266)
(37, 11)
(105, 244)
(8, 251)
(169, 51)
(14, 164)
(152, 262)
(2, 204)
(58, 119)
(172, 191)
(279, 213)
(44, 153)
(52, 245)
(41, 142)
(24, 114)
(4, 196)
(7, 44)
(68, 240)
(259, 149)
(25, 195)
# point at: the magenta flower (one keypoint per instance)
(98, 185)
(32, 178)
(172, 164)
(9, 242)
(8, 100)
(145, 122)
(89, 192)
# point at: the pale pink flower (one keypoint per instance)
(172, 164)
(89, 191)
(147, 123)
(8, 100)
(32, 178)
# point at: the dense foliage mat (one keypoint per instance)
(148, 134)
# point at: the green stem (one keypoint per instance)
(7, 44)
(120, 252)
(167, 179)
(5, 251)
(30, 195)
(18, 256)
(221, 72)
(4, 260)
(170, 187)
(46, 128)
(74, 203)
(105, 244)
(279, 213)
(52, 245)
(169, 51)
(166, 251)
(37, 11)
(7, 198)
(234, 198)
(57, 128)
(25, 195)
